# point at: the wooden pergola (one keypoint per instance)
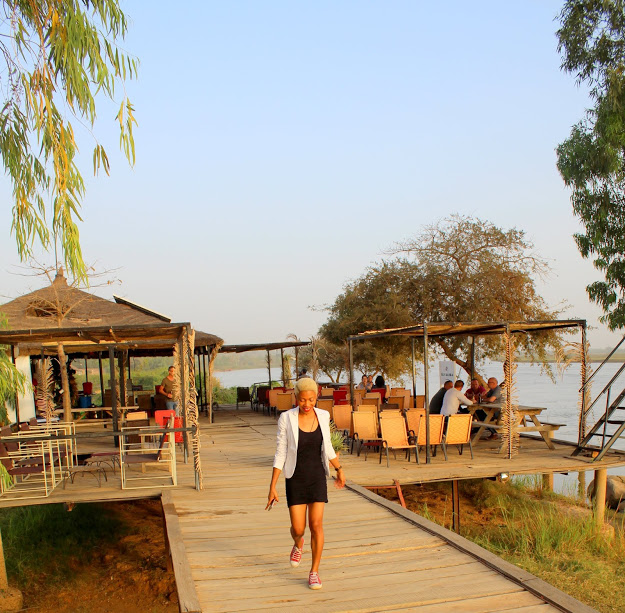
(61, 320)
(428, 330)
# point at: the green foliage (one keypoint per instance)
(337, 438)
(592, 160)
(223, 395)
(460, 269)
(59, 55)
(40, 541)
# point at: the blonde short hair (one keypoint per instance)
(305, 384)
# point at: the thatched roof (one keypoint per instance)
(440, 328)
(61, 313)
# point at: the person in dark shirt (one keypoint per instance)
(436, 404)
(493, 395)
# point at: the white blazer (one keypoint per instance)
(288, 437)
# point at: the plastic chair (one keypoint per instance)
(458, 431)
(365, 431)
(395, 436)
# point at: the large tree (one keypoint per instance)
(59, 55)
(592, 160)
(460, 269)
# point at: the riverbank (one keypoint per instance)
(549, 535)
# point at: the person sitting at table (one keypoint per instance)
(369, 383)
(436, 404)
(454, 398)
(380, 386)
(167, 389)
(492, 395)
(363, 383)
(476, 391)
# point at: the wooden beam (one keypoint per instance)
(67, 399)
(113, 384)
(455, 506)
(188, 601)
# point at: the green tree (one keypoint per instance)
(460, 269)
(59, 55)
(591, 161)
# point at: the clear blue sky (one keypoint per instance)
(282, 146)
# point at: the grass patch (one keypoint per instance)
(549, 535)
(46, 543)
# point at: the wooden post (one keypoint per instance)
(211, 359)
(4, 583)
(414, 372)
(426, 377)
(101, 379)
(455, 506)
(601, 478)
(205, 378)
(351, 374)
(296, 362)
(86, 370)
(17, 396)
(282, 367)
(548, 482)
(472, 358)
(122, 378)
(269, 366)
(183, 395)
(67, 398)
(113, 384)
(583, 367)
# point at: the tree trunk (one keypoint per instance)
(67, 397)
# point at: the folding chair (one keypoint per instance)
(458, 431)
(395, 436)
(365, 431)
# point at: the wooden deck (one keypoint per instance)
(230, 554)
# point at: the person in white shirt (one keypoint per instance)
(454, 398)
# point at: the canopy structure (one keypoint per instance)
(268, 347)
(427, 330)
(62, 320)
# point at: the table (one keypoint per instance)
(523, 413)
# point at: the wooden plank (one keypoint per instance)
(185, 586)
(527, 580)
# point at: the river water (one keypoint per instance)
(535, 387)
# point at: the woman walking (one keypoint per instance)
(303, 452)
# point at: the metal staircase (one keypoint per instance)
(614, 415)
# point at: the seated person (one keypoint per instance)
(369, 383)
(436, 404)
(475, 391)
(380, 386)
(492, 395)
(454, 398)
(363, 384)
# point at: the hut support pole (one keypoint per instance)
(455, 506)
(414, 372)
(17, 406)
(351, 374)
(601, 478)
(67, 399)
(269, 366)
(183, 396)
(296, 362)
(122, 379)
(113, 384)
(198, 370)
(548, 482)
(583, 367)
(205, 376)
(284, 381)
(426, 378)
(472, 358)
(86, 370)
(211, 359)
(101, 379)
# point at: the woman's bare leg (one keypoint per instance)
(315, 523)
(298, 523)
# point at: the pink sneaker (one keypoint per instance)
(314, 582)
(296, 555)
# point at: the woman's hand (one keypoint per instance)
(273, 495)
(339, 483)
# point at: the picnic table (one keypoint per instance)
(524, 413)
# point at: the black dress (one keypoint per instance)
(308, 483)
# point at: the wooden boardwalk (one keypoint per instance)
(378, 557)
(230, 554)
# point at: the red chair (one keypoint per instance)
(161, 417)
(340, 396)
(178, 436)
